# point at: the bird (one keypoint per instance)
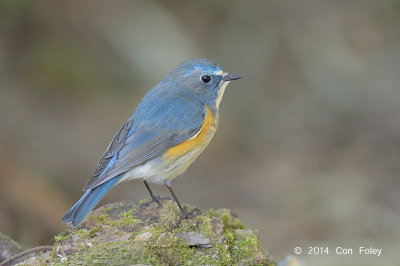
(170, 127)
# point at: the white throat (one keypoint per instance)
(221, 93)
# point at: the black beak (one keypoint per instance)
(231, 77)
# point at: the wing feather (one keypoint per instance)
(112, 149)
(141, 146)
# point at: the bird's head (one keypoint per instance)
(202, 78)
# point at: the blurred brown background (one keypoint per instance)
(308, 145)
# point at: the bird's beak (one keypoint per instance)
(229, 77)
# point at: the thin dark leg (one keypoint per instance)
(184, 213)
(175, 198)
(154, 198)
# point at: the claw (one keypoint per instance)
(184, 215)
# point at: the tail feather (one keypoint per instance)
(88, 201)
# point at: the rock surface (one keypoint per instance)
(126, 233)
(8, 247)
(194, 239)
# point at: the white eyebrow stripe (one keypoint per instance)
(219, 72)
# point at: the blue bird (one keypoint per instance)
(170, 127)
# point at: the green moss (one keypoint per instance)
(145, 200)
(60, 237)
(115, 253)
(108, 209)
(127, 219)
(225, 256)
(230, 221)
(157, 230)
(243, 244)
(174, 249)
(206, 226)
(98, 218)
(169, 213)
(84, 233)
(118, 253)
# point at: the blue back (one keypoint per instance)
(165, 109)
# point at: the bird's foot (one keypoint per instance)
(184, 215)
(157, 199)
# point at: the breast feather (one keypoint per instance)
(199, 140)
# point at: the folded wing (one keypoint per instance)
(112, 149)
(135, 149)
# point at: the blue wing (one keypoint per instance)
(155, 127)
(112, 149)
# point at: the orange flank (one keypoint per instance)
(202, 138)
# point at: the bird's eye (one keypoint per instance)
(205, 78)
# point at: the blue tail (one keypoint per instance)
(88, 201)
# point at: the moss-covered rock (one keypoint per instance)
(127, 233)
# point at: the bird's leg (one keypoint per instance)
(154, 198)
(184, 214)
